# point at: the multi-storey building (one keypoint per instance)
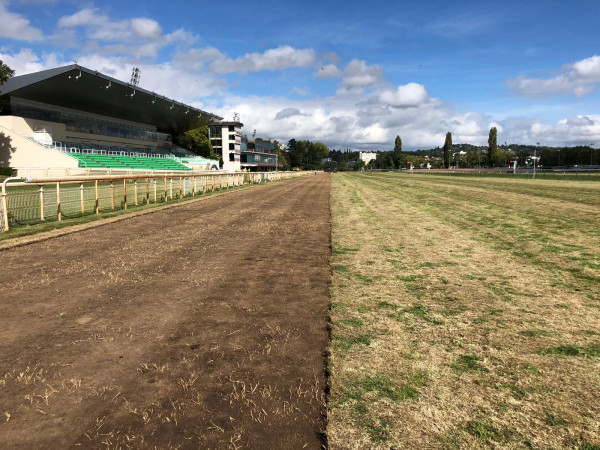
(367, 157)
(226, 139)
(258, 155)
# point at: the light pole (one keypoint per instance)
(591, 150)
(559, 157)
(505, 147)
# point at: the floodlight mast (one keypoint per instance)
(135, 76)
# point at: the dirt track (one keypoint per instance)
(202, 326)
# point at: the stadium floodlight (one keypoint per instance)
(188, 110)
(135, 76)
(108, 85)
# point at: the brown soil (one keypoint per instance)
(201, 326)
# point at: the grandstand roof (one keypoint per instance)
(83, 89)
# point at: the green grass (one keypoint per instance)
(591, 350)
(468, 363)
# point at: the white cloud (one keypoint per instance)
(578, 79)
(146, 28)
(300, 91)
(358, 74)
(26, 61)
(279, 58)
(411, 94)
(140, 37)
(15, 26)
(196, 58)
(499, 128)
(81, 18)
(329, 71)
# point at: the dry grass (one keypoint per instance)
(466, 313)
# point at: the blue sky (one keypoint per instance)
(352, 74)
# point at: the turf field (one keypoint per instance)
(465, 312)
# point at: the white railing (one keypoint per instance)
(69, 197)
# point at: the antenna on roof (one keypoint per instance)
(135, 76)
(254, 134)
(236, 117)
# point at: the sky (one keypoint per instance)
(353, 74)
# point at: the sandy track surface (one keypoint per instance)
(201, 326)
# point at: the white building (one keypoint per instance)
(367, 157)
(226, 139)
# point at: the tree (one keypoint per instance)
(397, 157)
(447, 149)
(359, 165)
(493, 146)
(315, 154)
(5, 74)
(296, 153)
(196, 141)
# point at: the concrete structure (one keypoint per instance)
(367, 157)
(48, 115)
(226, 139)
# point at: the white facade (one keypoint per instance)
(367, 157)
(226, 139)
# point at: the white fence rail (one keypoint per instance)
(47, 199)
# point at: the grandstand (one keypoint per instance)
(74, 121)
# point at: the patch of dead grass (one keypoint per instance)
(461, 279)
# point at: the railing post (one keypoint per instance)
(147, 191)
(97, 199)
(171, 188)
(125, 194)
(155, 183)
(135, 191)
(181, 193)
(58, 212)
(213, 183)
(81, 197)
(5, 210)
(166, 192)
(194, 191)
(42, 203)
(112, 195)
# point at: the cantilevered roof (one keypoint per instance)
(79, 88)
